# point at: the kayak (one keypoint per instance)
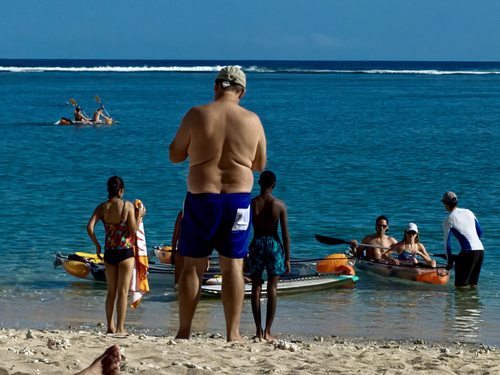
(163, 253)
(67, 121)
(289, 285)
(89, 266)
(304, 274)
(421, 273)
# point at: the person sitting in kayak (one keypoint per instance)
(372, 245)
(97, 116)
(409, 249)
(80, 117)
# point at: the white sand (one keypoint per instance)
(67, 352)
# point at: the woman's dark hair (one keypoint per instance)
(115, 184)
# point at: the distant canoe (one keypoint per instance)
(66, 121)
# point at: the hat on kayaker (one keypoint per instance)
(412, 227)
(232, 75)
(449, 197)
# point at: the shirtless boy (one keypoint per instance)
(267, 251)
(224, 143)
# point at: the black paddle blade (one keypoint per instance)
(330, 240)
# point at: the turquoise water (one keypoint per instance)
(348, 142)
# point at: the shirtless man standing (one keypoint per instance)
(379, 241)
(224, 143)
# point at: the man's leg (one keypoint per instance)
(272, 301)
(189, 293)
(477, 262)
(233, 292)
(462, 270)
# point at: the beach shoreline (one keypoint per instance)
(26, 351)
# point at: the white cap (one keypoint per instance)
(412, 227)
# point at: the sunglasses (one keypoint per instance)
(382, 225)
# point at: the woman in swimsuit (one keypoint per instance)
(120, 221)
(409, 249)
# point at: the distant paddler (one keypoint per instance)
(80, 118)
(96, 118)
(107, 117)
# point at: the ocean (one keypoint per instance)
(348, 141)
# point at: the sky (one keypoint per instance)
(445, 30)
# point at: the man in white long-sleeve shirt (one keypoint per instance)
(462, 223)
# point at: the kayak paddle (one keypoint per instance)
(98, 100)
(75, 104)
(338, 241)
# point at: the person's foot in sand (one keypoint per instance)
(258, 335)
(121, 334)
(106, 364)
(270, 338)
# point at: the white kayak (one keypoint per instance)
(291, 285)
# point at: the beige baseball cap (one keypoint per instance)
(232, 74)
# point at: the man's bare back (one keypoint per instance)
(225, 143)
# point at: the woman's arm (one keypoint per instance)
(133, 220)
(94, 219)
(387, 254)
(425, 256)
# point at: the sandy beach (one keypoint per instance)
(67, 352)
